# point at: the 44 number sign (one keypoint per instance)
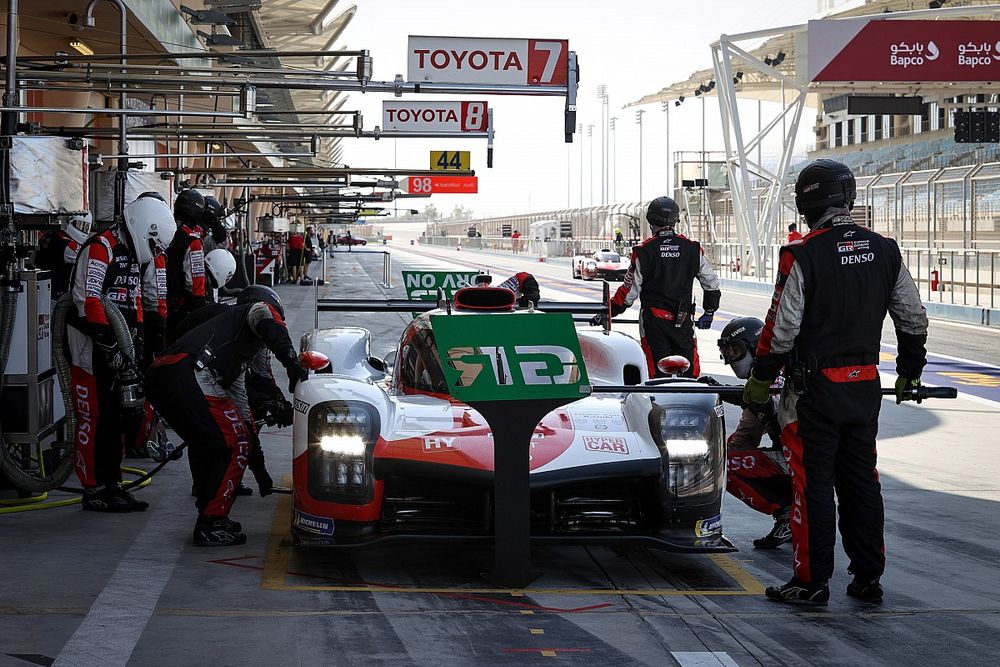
(451, 160)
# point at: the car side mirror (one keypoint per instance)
(390, 362)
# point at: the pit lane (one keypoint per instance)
(133, 589)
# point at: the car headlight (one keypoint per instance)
(690, 444)
(341, 437)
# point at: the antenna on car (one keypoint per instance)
(606, 300)
(443, 301)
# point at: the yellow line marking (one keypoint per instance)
(549, 654)
(750, 584)
(536, 631)
(527, 612)
(272, 578)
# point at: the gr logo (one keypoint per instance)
(516, 365)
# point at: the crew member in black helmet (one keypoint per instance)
(186, 260)
(195, 384)
(661, 276)
(758, 472)
(832, 292)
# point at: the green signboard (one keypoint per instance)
(511, 356)
(425, 284)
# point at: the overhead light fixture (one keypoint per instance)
(767, 60)
(80, 47)
(677, 103)
(216, 147)
(680, 99)
(697, 92)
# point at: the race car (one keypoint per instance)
(605, 264)
(382, 451)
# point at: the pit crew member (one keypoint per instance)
(661, 276)
(57, 251)
(185, 260)
(525, 288)
(832, 292)
(110, 265)
(195, 385)
(758, 476)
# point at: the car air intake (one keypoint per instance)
(484, 299)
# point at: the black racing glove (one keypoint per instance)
(295, 374)
(114, 357)
(598, 319)
(278, 413)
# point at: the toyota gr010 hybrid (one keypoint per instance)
(601, 264)
(382, 451)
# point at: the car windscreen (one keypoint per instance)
(608, 257)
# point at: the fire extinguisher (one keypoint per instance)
(936, 285)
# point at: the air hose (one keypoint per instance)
(41, 481)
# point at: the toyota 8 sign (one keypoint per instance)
(531, 62)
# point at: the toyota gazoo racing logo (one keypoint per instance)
(977, 55)
(908, 55)
(534, 365)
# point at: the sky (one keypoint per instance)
(635, 47)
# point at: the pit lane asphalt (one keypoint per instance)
(90, 589)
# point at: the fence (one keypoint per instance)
(945, 220)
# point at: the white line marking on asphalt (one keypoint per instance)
(112, 628)
(703, 659)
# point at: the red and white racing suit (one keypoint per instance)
(833, 290)
(105, 267)
(185, 275)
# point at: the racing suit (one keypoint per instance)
(105, 267)
(661, 276)
(524, 286)
(758, 476)
(832, 292)
(203, 397)
(57, 253)
(185, 275)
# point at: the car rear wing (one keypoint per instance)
(582, 308)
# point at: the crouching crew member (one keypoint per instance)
(661, 275)
(110, 267)
(758, 476)
(525, 288)
(196, 386)
(185, 260)
(831, 295)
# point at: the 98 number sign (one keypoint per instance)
(451, 160)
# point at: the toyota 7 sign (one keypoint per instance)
(437, 117)
(531, 62)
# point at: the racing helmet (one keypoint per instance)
(663, 212)
(79, 227)
(213, 210)
(189, 206)
(261, 293)
(738, 344)
(822, 184)
(150, 227)
(220, 265)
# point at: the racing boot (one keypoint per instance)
(801, 593)
(780, 532)
(104, 499)
(866, 589)
(134, 504)
(244, 490)
(218, 532)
